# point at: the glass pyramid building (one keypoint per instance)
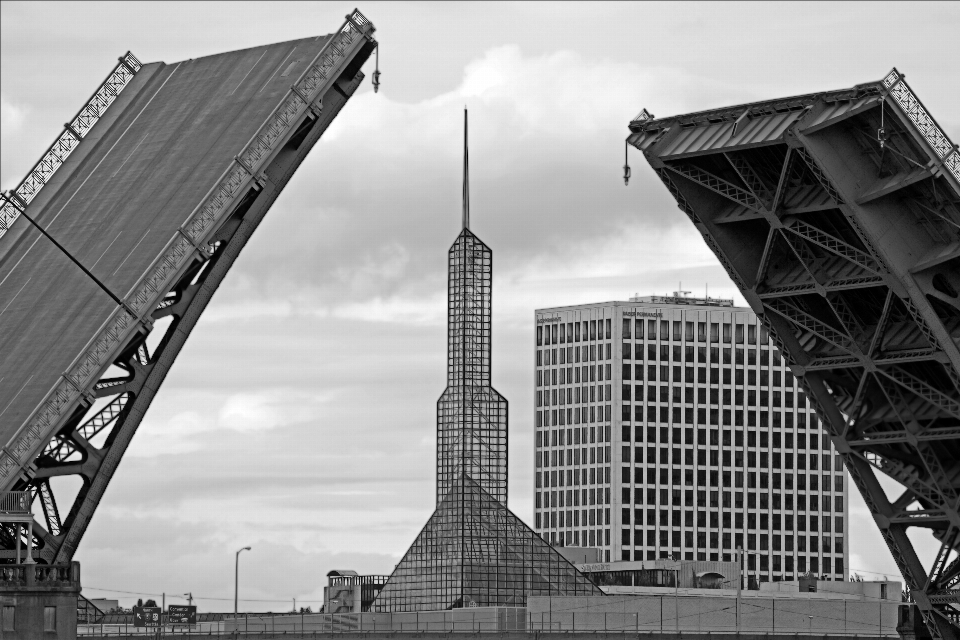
(473, 551)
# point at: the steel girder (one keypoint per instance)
(111, 416)
(849, 251)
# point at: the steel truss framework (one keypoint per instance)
(475, 552)
(846, 243)
(471, 414)
(91, 439)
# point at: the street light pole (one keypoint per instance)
(739, 582)
(236, 580)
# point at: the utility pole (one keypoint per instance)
(189, 598)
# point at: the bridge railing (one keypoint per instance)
(911, 106)
(142, 298)
(14, 577)
(15, 502)
(68, 140)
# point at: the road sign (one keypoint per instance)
(182, 614)
(146, 616)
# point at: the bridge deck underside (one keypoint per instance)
(849, 251)
(117, 201)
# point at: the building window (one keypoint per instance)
(9, 618)
(49, 618)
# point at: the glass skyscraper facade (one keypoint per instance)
(672, 427)
(473, 551)
(471, 415)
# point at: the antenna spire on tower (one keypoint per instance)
(466, 174)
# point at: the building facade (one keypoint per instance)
(671, 427)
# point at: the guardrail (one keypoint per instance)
(142, 298)
(911, 106)
(68, 140)
(14, 576)
(15, 502)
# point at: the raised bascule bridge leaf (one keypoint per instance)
(837, 215)
(145, 199)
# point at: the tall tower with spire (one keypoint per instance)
(473, 551)
(471, 415)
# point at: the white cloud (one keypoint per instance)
(385, 264)
(11, 115)
(244, 412)
(553, 99)
(185, 431)
(636, 248)
(176, 437)
(416, 310)
(270, 409)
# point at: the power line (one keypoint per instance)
(195, 597)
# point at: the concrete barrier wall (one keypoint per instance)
(458, 620)
(636, 613)
(718, 614)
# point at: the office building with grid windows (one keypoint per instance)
(671, 427)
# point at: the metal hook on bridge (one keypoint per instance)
(626, 163)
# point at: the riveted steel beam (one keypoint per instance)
(717, 185)
(844, 285)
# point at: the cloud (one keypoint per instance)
(384, 264)
(371, 211)
(639, 256)
(11, 115)
(245, 412)
(430, 311)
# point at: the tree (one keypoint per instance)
(150, 603)
(139, 602)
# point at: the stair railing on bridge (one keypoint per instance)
(153, 284)
(908, 102)
(68, 140)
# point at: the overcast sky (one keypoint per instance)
(300, 416)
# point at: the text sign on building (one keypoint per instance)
(657, 313)
(182, 614)
(146, 616)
